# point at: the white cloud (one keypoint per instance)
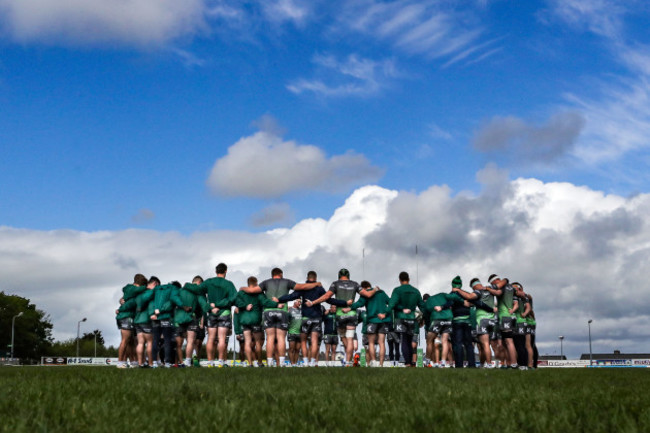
(142, 23)
(515, 140)
(355, 76)
(281, 11)
(427, 28)
(582, 253)
(603, 17)
(264, 166)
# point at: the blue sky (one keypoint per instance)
(249, 124)
(96, 129)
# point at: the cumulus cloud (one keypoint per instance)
(522, 142)
(265, 166)
(582, 254)
(276, 213)
(89, 22)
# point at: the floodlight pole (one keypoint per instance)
(591, 357)
(78, 328)
(13, 322)
(95, 345)
(561, 337)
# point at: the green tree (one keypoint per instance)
(33, 330)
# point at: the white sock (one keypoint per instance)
(282, 360)
(269, 362)
(188, 361)
(255, 364)
(305, 360)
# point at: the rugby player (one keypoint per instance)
(250, 307)
(331, 337)
(187, 316)
(124, 316)
(345, 290)
(403, 301)
(524, 351)
(161, 310)
(377, 328)
(440, 327)
(293, 335)
(221, 294)
(506, 305)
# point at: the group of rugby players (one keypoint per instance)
(497, 316)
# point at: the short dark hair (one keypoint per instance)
(472, 281)
(198, 278)
(140, 280)
(312, 274)
(365, 284)
(252, 281)
(425, 296)
(176, 283)
(404, 276)
(275, 272)
(221, 268)
(154, 279)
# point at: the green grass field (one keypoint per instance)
(81, 399)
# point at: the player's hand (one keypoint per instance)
(382, 316)
(496, 310)
(349, 302)
(274, 299)
(346, 310)
(212, 305)
(153, 317)
(214, 310)
(438, 308)
(117, 311)
(406, 311)
(280, 305)
(122, 301)
(249, 307)
(188, 309)
(157, 311)
(510, 310)
(236, 310)
(377, 288)
(319, 284)
(309, 303)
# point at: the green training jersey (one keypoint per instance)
(221, 293)
(345, 290)
(295, 320)
(506, 301)
(488, 299)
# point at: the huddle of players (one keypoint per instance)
(497, 316)
(182, 313)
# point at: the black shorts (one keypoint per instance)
(125, 324)
(143, 328)
(378, 328)
(364, 339)
(310, 325)
(193, 325)
(252, 328)
(440, 327)
(486, 326)
(405, 326)
(331, 339)
(276, 319)
(521, 328)
(200, 334)
(507, 326)
(531, 329)
(219, 321)
(350, 321)
(293, 337)
(180, 330)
